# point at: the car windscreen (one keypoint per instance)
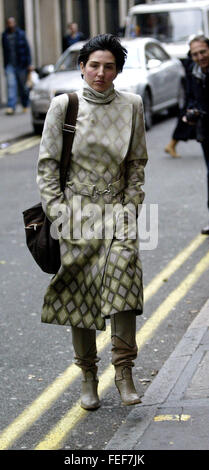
(133, 58)
(169, 26)
(67, 62)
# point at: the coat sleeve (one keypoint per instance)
(48, 174)
(190, 91)
(136, 159)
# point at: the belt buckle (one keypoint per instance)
(98, 192)
(104, 191)
(111, 189)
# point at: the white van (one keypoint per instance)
(171, 23)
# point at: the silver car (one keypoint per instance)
(149, 71)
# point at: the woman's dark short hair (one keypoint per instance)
(199, 38)
(104, 42)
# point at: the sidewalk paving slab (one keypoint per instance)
(174, 413)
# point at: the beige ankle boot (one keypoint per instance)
(84, 342)
(89, 395)
(125, 385)
(171, 148)
(124, 351)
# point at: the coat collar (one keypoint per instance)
(198, 73)
(99, 98)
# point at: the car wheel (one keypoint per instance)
(147, 109)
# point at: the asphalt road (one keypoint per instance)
(39, 386)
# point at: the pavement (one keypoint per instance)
(15, 126)
(174, 413)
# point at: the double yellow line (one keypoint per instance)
(57, 435)
(20, 146)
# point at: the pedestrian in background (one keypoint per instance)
(183, 131)
(72, 36)
(99, 278)
(198, 99)
(17, 63)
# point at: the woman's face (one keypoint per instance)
(100, 70)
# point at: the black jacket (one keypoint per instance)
(198, 90)
(198, 96)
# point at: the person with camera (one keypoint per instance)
(198, 99)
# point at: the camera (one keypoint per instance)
(193, 115)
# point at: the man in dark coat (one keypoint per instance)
(17, 63)
(183, 131)
(198, 98)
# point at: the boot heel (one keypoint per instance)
(126, 387)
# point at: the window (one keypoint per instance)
(169, 26)
(68, 62)
(153, 51)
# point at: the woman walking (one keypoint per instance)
(99, 277)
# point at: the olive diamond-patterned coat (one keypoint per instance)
(101, 271)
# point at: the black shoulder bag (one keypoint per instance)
(43, 247)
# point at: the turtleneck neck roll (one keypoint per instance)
(96, 97)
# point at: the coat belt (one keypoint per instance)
(94, 190)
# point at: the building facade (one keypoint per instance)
(45, 23)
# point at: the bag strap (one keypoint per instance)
(68, 136)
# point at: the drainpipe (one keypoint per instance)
(93, 18)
